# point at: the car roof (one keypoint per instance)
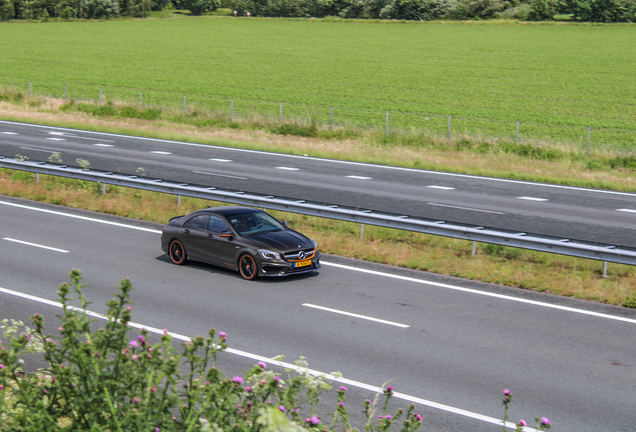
(230, 211)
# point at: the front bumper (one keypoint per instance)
(275, 268)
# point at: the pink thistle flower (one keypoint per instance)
(344, 389)
(222, 335)
(153, 389)
(248, 389)
(545, 421)
(263, 365)
(276, 378)
(315, 420)
(282, 408)
(523, 423)
(506, 392)
(418, 417)
(342, 403)
(136, 400)
(389, 417)
(134, 357)
(390, 388)
(238, 379)
(1, 386)
(157, 429)
(133, 343)
(128, 308)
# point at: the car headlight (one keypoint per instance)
(314, 243)
(269, 254)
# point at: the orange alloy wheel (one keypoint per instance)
(248, 267)
(177, 252)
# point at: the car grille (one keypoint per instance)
(301, 255)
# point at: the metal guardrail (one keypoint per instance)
(571, 247)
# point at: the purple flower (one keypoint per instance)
(263, 365)
(157, 429)
(380, 417)
(134, 357)
(545, 421)
(506, 392)
(343, 389)
(238, 379)
(136, 400)
(523, 423)
(419, 417)
(342, 403)
(222, 335)
(276, 378)
(1, 366)
(133, 343)
(389, 417)
(315, 420)
(248, 389)
(1, 386)
(282, 408)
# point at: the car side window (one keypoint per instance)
(200, 222)
(217, 224)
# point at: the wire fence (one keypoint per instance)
(583, 134)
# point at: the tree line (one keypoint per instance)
(602, 11)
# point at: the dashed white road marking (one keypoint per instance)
(626, 210)
(532, 198)
(56, 139)
(358, 177)
(220, 160)
(356, 315)
(57, 133)
(161, 152)
(288, 168)
(9, 133)
(441, 187)
(220, 175)
(35, 244)
(103, 145)
(40, 150)
(465, 208)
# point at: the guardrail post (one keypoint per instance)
(605, 269)
(37, 177)
(103, 188)
(30, 89)
(178, 200)
(474, 247)
(232, 110)
(361, 230)
(449, 128)
(332, 118)
(280, 116)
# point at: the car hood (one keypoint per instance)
(282, 240)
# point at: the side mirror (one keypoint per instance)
(227, 234)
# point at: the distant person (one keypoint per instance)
(235, 13)
(248, 14)
(244, 13)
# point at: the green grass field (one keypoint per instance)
(555, 79)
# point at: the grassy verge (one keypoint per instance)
(536, 271)
(478, 155)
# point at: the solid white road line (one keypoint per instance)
(161, 152)
(358, 177)
(356, 315)
(532, 198)
(368, 165)
(626, 210)
(288, 168)
(9, 133)
(285, 365)
(34, 149)
(220, 160)
(56, 139)
(483, 293)
(57, 213)
(465, 208)
(103, 145)
(220, 175)
(35, 244)
(441, 187)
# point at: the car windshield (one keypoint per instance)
(255, 223)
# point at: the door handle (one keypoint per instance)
(210, 236)
(187, 231)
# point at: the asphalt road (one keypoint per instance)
(555, 210)
(439, 339)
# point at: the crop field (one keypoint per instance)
(554, 79)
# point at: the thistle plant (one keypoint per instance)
(110, 380)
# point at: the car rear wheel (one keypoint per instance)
(177, 252)
(248, 267)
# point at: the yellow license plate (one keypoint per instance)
(302, 263)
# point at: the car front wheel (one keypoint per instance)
(248, 267)
(177, 252)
